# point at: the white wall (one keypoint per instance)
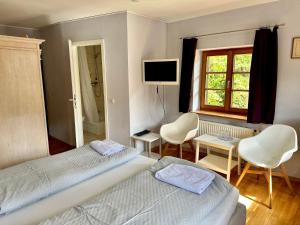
(288, 91)
(128, 39)
(19, 31)
(146, 40)
(111, 28)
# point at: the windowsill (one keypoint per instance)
(223, 115)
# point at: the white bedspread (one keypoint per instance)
(63, 200)
(142, 200)
(31, 181)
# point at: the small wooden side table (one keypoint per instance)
(214, 162)
(147, 139)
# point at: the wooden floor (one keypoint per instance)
(56, 146)
(254, 194)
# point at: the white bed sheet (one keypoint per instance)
(221, 215)
(61, 201)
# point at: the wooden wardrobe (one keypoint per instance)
(23, 131)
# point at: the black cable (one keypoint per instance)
(161, 102)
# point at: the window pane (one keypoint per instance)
(242, 62)
(216, 63)
(214, 98)
(241, 81)
(239, 99)
(215, 81)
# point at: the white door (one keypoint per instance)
(76, 99)
(76, 94)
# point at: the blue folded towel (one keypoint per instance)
(186, 177)
(106, 147)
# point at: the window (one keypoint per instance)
(225, 80)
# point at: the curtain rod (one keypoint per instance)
(232, 31)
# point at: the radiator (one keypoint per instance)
(206, 127)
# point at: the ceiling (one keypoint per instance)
(39, 13)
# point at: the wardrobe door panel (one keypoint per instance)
(23, 133)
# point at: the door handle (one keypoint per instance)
(73, 100)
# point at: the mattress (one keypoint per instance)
(221, 215)
(239, 215)
(34, 180)
(142, 199)
(63, 200)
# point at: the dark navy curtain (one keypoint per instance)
(263, 77)
(187, 67)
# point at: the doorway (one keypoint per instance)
(89, 90)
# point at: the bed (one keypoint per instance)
(34, 180)
(142, 199)
(229, 212)
(63, 200)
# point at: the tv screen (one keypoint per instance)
(161, 72)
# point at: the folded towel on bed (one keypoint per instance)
(186, 177)
(106, 147)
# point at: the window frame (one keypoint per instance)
(229, 79)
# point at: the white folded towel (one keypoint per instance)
(106, 147)
(186, 177)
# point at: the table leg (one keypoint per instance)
(160, 143)
(132, 142)
(197, 151)
(149, 149)
(207, 150)
(229, 165)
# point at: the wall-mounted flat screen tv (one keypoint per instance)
(161, 72)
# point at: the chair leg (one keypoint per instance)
(165, 149)
(197, 152)
(270, 188)
(180, 151)
(267, 176)
(160, 150)
(243, 173)
(239, 164)
(287, 179)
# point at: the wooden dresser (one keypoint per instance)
(23, 131)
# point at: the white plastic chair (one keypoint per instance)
(269, 149)
(184, 129)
